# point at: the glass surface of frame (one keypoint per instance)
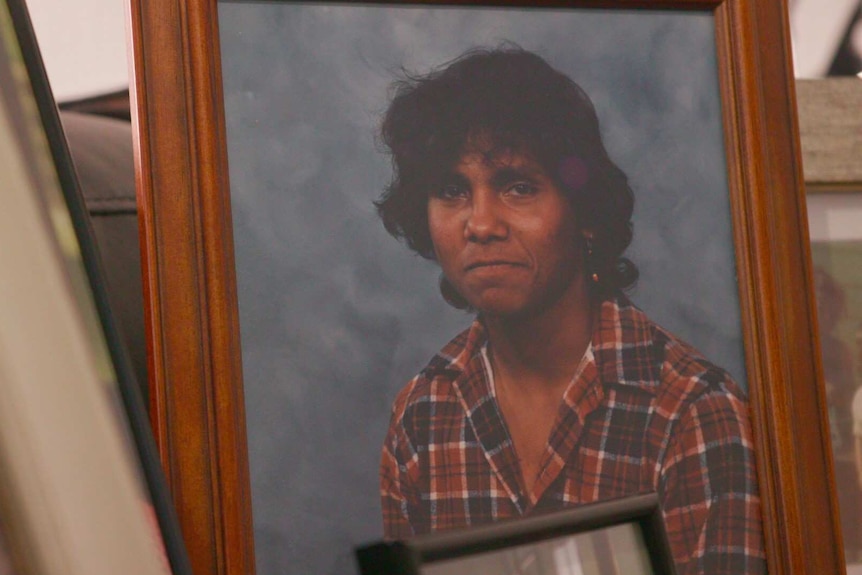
(608, 551)
(336, 316)
(764, 245)
(831, 137)
(836, 250)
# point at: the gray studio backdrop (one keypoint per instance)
(336, 316)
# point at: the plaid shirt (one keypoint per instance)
(646, 412)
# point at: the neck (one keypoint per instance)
(544, 348)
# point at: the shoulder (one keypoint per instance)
(434, 384)
(700, 408)
(701, 422)
(701, 402)
(638, 352)
(683, 366)
(685, 387)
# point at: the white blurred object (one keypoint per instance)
(817, 28)
(567, 559)
(83, 44)
(834, 217)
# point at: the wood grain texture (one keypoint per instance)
(190, 290)
(787, 396)
(197, 406)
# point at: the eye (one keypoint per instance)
(522, 189)
(450, 191)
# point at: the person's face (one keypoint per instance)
(505, 235)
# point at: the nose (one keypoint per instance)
(484, 221)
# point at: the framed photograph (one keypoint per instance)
(607, 538)
(284, 321)
(831, 136)
(81, 488)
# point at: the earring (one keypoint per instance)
(588, 264)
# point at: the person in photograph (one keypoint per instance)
(561, 392)
(838, 375)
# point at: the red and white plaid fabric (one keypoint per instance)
(646, 413)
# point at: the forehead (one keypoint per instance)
(492, 155)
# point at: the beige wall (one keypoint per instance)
(84, 47)
(83, 44)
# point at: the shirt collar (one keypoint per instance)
(625, 343)
(623, 347)
(620, 354)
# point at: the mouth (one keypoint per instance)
(493, 264)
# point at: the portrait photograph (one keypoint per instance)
(339, 315)
(836, 250)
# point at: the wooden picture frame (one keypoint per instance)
(190, 281)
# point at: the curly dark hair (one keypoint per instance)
(516, 100)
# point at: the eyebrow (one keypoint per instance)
(504, 174)
(452, 177)
(509, 174)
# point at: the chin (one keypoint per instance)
(515, 304)
(503, 307)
